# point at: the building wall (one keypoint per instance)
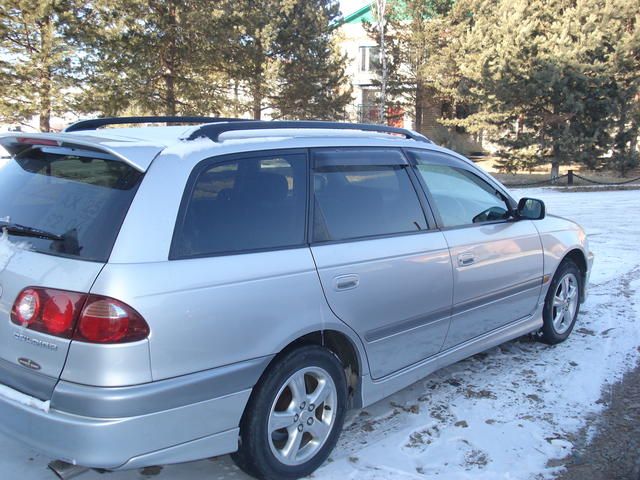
(353, 37)
(365, 106)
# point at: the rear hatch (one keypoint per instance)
(76, 200)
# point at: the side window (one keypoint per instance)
(363, 201)
(245, 204)
(461, 197)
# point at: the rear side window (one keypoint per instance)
(356, 201)
(82, 196)
(242, 205)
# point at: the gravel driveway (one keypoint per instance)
(614, 450)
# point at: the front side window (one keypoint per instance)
(461, 197)
(245, 204)
(364, 201)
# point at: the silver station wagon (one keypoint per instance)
(173, 293)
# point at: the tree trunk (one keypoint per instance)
(382, 4)
(419, 106)
(171, 60)
(45, 104)
(257, 106)
(256, 94)
(555, 134)
(555, 162)
(170, 103)
(258, 68)
(46, 43)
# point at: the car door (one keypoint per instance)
(384, 268)
(497, 261)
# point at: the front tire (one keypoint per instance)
(294, 416)
(562, 303)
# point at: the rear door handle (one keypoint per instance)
(346, 282)
(466, 259)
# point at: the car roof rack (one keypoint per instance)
(95, 123)
(214, 130)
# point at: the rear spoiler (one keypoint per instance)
(137, 154)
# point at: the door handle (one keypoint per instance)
(346, 282)
(466, 259)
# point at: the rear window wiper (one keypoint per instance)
(24, 231)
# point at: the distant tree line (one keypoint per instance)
(173, 57)
(548, 81)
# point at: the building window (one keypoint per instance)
(368, 58)
(369, 109)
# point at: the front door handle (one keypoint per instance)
(466, 259)
(346, 282)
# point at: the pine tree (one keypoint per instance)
(619, 47)
(282, 54)
(35, 62)
(151, 56)
(250, 52)
(312, 82)
(549, 81)
(537, 71)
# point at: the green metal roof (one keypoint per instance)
(366, 13)
(363, 14)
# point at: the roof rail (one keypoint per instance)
(213, 131)
(95, 123)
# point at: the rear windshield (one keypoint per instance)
(82, 196)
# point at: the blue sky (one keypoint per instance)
(350, 6)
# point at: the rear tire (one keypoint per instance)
(294, 416)
(562, 303)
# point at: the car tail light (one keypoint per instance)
(58, 314)
(78, 316)
(106, 320)
(27, 307)
(48, 310)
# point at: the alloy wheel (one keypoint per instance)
(565, 303)
(302, 415)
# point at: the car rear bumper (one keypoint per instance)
(183, 432)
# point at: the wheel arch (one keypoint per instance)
(577, 256)
(343, 348)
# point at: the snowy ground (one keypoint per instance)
(502, 414)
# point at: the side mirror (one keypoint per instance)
(531, 209)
